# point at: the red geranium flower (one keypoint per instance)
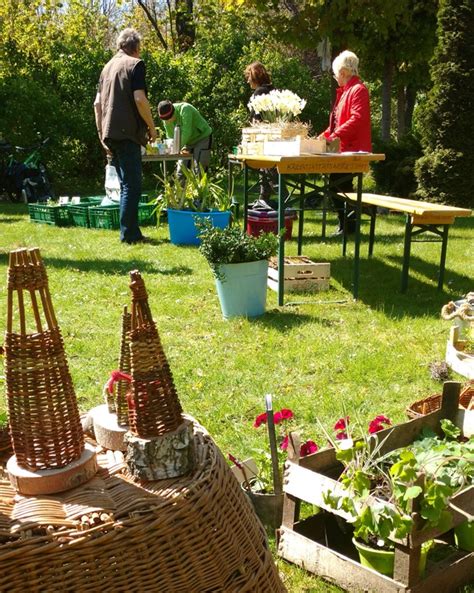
(284, 443)
(308, 448)
(378, 422)
(342, 423)
(341, 435)
(277, 418)
(286, 414)
(260, 419)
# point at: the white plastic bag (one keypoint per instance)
(112, 184)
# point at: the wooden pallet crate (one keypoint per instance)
(300, 273)
(318, 546)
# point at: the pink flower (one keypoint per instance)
(342, 423)
(277, 417)
(308, 448)
(284, 443)
(340, 436)
(283, 414)
(260, 419)
(378, 422)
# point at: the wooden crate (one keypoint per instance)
(316, 544)
(460, 361)
(255, 137)
(300, 273)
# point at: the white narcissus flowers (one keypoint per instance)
(277, 106)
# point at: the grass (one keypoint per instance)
(371, 355)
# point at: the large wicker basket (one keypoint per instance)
(433, 402)
(192, 534)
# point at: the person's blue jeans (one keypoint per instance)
(127, 159)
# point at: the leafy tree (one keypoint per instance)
(393, 39)
(447, 126)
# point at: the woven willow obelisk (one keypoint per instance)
(160, 441)
(50, 454)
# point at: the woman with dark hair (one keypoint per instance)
(260, 82)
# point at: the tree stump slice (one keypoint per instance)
(107, 431)
(167, 456)
(51, 481)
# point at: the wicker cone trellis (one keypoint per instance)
(154, 407)
(159, 444)
(44, 418)
(194, 534)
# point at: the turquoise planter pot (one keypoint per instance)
(383, 560)
(464, 536)
(182, 226)
(243, 292)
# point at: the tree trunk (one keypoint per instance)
(185, 28)
(387, 100)
(410, 95)
(401, 111)
(153, 22)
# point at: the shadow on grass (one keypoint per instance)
(113, 267)
(10, 219)
(283, 320)
(379, 285)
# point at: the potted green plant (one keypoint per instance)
(240, 266)
(263, 485)
(378, 492)
(188, 197)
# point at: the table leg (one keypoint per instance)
(373, 216)
(406, 253)
(442, 262)
(325, 206)
(301, 220)
(246, 195)
(281, 241)
(344, 231)
(357, 236)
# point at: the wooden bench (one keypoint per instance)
(425, 217)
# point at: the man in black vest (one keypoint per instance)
(125, 124)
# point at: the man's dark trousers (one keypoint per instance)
(127, 159)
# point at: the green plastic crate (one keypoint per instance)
(49, 214)
(92, 200)
(79, 214)
(104, 217)
(146, 216)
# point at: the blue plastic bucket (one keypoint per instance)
(243, 291)
(183, 231)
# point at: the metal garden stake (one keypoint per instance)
(277, 483)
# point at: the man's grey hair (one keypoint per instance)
(347, 60)
(129, 40)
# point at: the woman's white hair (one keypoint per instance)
(347, 60)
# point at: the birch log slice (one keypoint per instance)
(166, 456)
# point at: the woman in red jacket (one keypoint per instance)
(350, 122)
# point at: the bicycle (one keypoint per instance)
(24, 180)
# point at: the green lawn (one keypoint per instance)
(371, 355)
